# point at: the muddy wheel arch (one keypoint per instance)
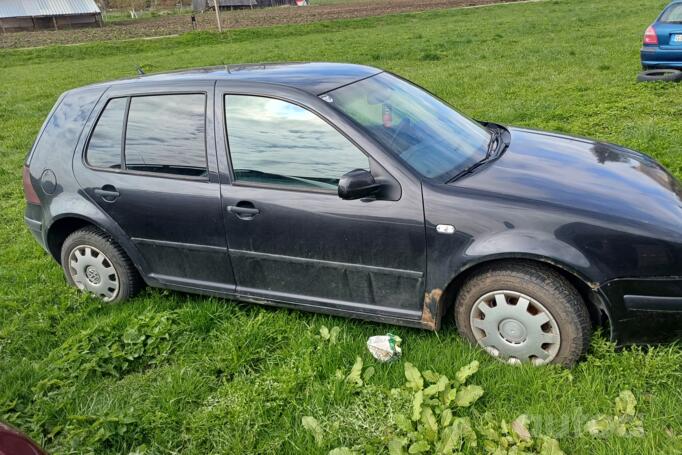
(438, 301)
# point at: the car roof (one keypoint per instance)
(313, 77)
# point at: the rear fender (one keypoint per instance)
(68, 205)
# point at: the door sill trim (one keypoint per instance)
(192, 284)
(403, 317)
(353, 307)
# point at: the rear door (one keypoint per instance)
(291, 238)
(149, 163)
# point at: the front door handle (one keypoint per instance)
(244, 210)
(108, 193)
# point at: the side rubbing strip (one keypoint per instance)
(339, 265)
(187, 246)
(652, 303)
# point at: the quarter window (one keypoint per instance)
(104, 148)
(166, 134)
(274, 142)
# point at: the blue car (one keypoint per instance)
(662, 47)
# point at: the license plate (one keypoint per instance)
(677, 39)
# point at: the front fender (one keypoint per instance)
(532, 245)
(451, 256)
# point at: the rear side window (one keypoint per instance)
(673, 14)
(164, 134)
(274, 142)
(104, 148)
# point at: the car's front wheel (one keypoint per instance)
(523, 312)
(94, 263)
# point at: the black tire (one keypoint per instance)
(127, 278)
(660, 75)
(541, 283)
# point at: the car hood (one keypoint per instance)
(579, 174)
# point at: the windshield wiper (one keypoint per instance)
(493, 147)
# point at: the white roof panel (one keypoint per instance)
(28, 8)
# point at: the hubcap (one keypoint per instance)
(515, 328)
(93, 272)
(513, 331)
(92, 275)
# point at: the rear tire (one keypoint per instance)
(94, 263)
(524, 312)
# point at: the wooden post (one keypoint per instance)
(54, 21)
(216, 5)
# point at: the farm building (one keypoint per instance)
(17, 15)
(202, 5)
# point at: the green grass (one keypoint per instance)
(231, 378)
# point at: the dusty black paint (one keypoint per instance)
(608, 216)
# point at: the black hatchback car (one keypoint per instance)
(347, 190)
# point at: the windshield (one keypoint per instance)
(420, 129)
(673, 14)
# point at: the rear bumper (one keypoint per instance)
(645, 310)
(35, 226)
(661, 58)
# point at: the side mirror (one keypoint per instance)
(357, 184)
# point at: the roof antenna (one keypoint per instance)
(139, 69)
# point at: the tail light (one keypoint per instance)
(650, 36)
(29, 192)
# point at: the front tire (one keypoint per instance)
(523, 312)
(94, 263)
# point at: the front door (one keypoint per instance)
(147, 164)
(292, 239)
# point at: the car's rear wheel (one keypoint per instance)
(523, 312)
(94, 263)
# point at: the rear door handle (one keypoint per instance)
(245, 213)
(108, 193)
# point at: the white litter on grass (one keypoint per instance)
(384, 348)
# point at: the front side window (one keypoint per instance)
(424, 132)
(166, 134)
(104, 148)
(274, 142)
